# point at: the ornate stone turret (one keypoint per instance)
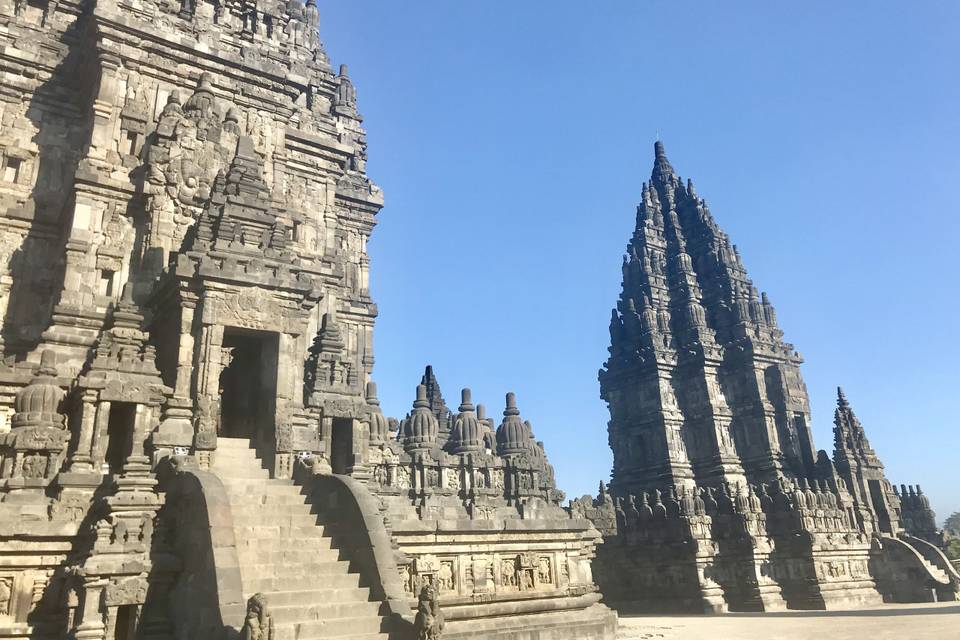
(420, 428)
(467, 434)
(37, 406)
(345, 100)
(435, 396)
(379, 427)
(32, 450)
(874, 500)
(917, 517)
(329, 368)
(489, 436)
(513, 434)
(245, 175)
(203, 110)
(690, 336)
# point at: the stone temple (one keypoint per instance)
(718, 499)
(191, 444)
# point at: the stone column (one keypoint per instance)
(286, 367)
(91, 625)
(82, 460)
(208, 384)
(99, 447)
(186, 346)
(104, 105)
(208, 375)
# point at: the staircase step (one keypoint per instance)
(266, 555)
(285, 583)
(233, 443)
(310, 596)
(271, 487)
(272, 531)
(242, 472)
(322, 610)
(315, 569)
(285, 553)
(282, 523)
(268, 511)
(336, 627)
(284, 543)
(269, 499)
(289, 633)
(361, 636)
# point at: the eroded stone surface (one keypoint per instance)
(718, 499)
(184, 214)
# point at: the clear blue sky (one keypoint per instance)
(511, 139)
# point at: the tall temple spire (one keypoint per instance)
(686, 308)
(850, 438)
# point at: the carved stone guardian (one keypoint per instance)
(429, 622)
(258, 625)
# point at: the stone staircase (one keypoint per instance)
(286, 555)
(938, 575)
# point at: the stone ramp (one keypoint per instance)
(287, 556)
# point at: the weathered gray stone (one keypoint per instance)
(184, 215)
(718, 499)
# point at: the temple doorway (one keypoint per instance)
(341, 446)
(248, 386)
(120, 425)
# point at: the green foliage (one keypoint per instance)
(953, 549)
(952, 525)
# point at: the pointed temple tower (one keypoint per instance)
(718, 498)
(701, 386)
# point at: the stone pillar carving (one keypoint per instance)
(100, 440)
(91, 626)
(82, 459)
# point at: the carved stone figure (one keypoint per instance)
(429, 622)
(445, 577)
(4, 597)
(258, 624)
(508, 573)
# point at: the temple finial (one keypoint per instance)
(841, 398)
(466, 401)
(662, 169)
(511, 409)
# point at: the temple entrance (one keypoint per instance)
(879, 506)
(248, 386)
(120, 424)
(126, 624)
(341, 446)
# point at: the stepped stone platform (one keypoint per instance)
(287, 556)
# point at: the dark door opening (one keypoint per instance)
(123, 416)
(248, 386)
(341, 446)
(879, 506)
(125, 627)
